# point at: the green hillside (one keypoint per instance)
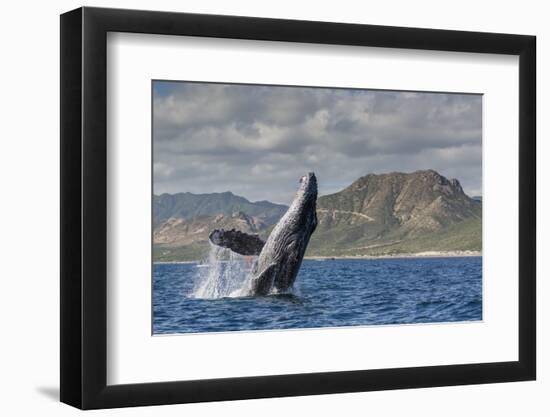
(378, 214)
(188, 205)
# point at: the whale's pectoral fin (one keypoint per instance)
(237, 241)
(264, 280)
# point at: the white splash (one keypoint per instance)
(225, 274)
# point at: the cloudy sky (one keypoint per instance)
(257, 141)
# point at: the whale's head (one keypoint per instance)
(307, 193)
(302, 212)
(282, 254)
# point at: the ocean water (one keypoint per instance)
(331, 293)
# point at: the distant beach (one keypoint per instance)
(427, 254)
(176, 262)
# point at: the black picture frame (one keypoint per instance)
(84, 207)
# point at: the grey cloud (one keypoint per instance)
(257, 141)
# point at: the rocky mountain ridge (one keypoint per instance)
(378, 214)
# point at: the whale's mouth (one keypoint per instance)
(308, 184)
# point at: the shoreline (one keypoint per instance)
(427, 254)
(176, 262)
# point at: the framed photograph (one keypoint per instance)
(258, 207)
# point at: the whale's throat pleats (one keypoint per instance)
(263, 281)
(280, 258)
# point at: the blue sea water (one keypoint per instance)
(330, 293)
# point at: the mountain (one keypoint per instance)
(185, 239)
(188, 205)
(380, 214)
(183, 221)
(395, 213)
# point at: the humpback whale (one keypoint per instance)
(280, 257)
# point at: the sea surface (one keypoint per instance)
(330, 293)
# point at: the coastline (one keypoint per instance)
(176, 262)
(427, 254)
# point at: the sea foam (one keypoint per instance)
(223, 274)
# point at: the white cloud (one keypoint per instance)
(258, 140)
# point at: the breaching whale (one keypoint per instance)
(280, 257)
